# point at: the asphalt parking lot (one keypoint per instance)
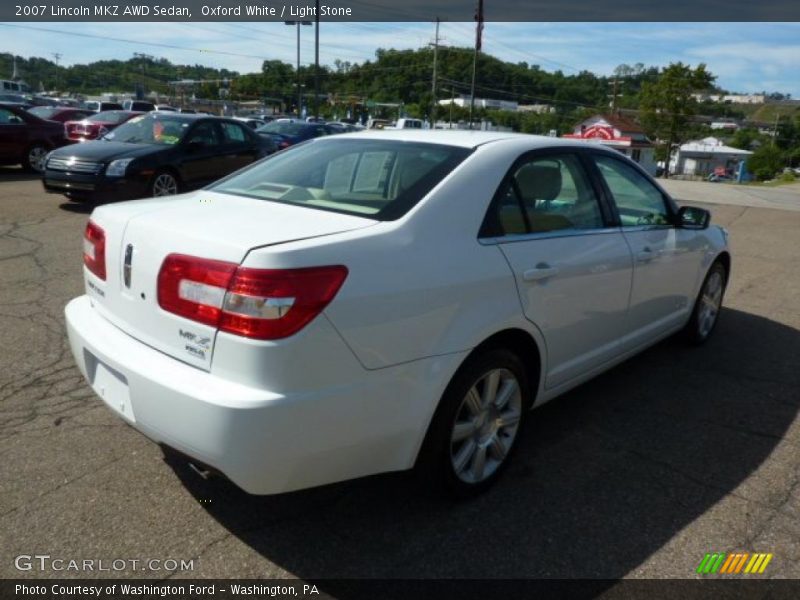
(676, 453)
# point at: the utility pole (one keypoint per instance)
(144, 58)
(433, 82)
(478, 35)
(299, 88)
(316, 62)
(775, 129)
(614, 95)
(57, 56)
(452, 101)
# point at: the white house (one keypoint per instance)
(706, 156)
(619, 133)
(492, 103)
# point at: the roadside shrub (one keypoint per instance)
(788, 176)
(764, 173)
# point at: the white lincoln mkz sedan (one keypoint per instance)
(374, 301)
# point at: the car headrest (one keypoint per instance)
(539, 182)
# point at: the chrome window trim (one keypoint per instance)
(546, 235)
(627, 228)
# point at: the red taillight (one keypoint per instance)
(265, 304)
(94, 250)
(194, 287)
(284, 144)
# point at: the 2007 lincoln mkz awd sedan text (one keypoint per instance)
(376, 301)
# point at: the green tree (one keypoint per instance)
(765, 162)
(668, 103)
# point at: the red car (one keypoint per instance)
(97, 125)
(62, 114)
(25, 138)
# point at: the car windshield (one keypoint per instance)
(151, 129)
(43, 112)
(110, 116)
(284, 128)
(381, 179)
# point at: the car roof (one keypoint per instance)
(179, 116)
(462, 137)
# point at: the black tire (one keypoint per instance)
(31, 161)
(160, 179)
(704, 318)
(440, 452)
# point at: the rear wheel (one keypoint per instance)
(164, 184)
(707, 306)
(34, 158)
(474, 430)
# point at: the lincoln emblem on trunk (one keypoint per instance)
(126, 269)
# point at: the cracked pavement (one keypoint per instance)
(639, 473)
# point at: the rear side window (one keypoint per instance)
(381, 179)
(545, 193)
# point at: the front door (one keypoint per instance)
(666, 258)
(573, 270)
(201, 162)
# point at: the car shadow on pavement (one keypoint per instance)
(83, 208)
(603, 477)
(17, 174)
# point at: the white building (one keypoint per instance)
(621, 134)
(491, 103)
(732, 98)
(706, 156)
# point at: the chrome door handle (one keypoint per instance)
(543, 271)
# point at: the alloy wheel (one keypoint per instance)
(165, 185)
(485, 426)
(710, 302)
(36, 158)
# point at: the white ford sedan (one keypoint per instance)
(374, 301)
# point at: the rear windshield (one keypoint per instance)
(43, 112)
(110, 116)
(379, 179)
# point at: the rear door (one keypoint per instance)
(572, 267)
(666, 258)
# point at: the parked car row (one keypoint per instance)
(152, 154)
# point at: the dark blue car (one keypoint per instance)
(288, 133)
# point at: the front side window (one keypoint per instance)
(638, 201)
(381, 179)
(204, 133)
(546, 193)
(234, 133)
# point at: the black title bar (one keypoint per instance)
(396, 10)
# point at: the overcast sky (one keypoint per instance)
(746, 57)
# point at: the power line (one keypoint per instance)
(136, 42)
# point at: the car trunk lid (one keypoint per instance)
(140, 235)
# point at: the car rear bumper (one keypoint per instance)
(265, 442)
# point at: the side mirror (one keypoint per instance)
(195, 145)
(692, 217)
